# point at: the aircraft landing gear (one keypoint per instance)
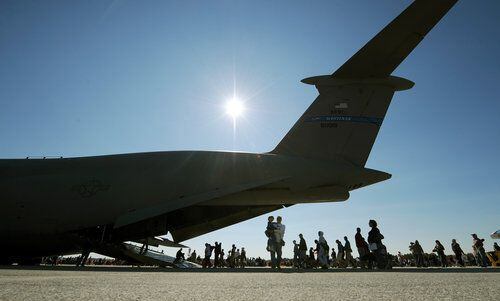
(83, 258)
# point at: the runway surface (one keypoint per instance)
(153, 284)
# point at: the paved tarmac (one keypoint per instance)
(115, 283)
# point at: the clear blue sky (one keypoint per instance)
(80, 78)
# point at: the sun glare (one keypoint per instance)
(234, 107)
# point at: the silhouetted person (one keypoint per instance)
(376, 246)
(419, 254)
(322, 249)
(208, 253)
(494, 254)
(53, 260)
(221, 259)
(295, 254)
(333, 257)
(439, 249)
(243, 257)
(478, 247)
(237, 258)
(280, 242)
(179, 256)
(412, 250)
(348, 253)
(340, 253)
(455, 247)
(228, 259)
(232, 256)
(82, 260)
(312, 260)
(401, 261)
(363, 250)
(217, 251)
(302, 251)
(192, 258)
(271, 240)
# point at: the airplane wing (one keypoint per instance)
(383, 54)
(172, 205)
(198, 220)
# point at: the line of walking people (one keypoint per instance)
(479, 253)
(371, 253)
(236, 258)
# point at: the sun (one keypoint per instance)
(235, 107)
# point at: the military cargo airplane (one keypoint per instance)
(69, 205)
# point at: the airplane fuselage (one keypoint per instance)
(41, 198)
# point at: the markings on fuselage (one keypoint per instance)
(90, 188)
(327, 119)
(328, 125)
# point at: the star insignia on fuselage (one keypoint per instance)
(90, 188)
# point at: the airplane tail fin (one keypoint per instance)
(345, 118)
